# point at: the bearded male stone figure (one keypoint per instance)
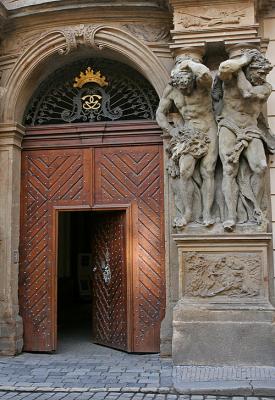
(194, 142)
(243, 132)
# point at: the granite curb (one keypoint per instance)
(228, 388)
(43, 389)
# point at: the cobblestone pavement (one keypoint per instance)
(116, 396)
(95, 366)
(81, 370)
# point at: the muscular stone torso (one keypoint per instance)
(243, 111)
(196, 108)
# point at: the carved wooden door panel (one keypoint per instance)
(50, 178)
(127, 176)
(133, 175)
(109, 285)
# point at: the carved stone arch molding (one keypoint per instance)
(20, 84)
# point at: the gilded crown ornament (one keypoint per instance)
(88, 77)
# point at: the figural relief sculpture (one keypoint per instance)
(210, 275)
(193, 145)
(208, 190)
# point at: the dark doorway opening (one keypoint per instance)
(92, 278)
(74, 311)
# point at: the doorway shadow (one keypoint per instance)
(74, 310)
(90, 308)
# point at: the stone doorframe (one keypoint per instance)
(29, 71)
(11, 329)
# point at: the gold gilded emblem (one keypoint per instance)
(88, 77)
(91, 102)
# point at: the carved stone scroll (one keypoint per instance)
(83, 34)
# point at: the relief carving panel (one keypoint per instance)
(210, 275)
(212, 18)
(205, 17)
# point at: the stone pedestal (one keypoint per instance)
(11, 336)
(224, 315)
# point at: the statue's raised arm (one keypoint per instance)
(229, 68)
(196, 139)
(201, 74)
(242, 139)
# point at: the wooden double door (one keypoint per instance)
(121, 184)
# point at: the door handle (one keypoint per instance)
(104, 266)
(106, 271)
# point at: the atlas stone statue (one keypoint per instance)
(193, 144)
(239, 95)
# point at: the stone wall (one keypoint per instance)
(269, 32)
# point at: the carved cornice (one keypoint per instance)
(196, 39)
(83, 135)
(11, 134)
(27, 7)
(202, 22)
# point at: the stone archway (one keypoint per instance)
(113, 162)
(33, 63)
(27, 73)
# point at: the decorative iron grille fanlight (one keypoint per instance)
(111, 91)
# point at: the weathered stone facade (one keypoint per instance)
(212, 278)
